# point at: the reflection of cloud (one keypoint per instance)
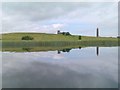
(75, 70)
(30, 55)
(58, 56)
(44, 75)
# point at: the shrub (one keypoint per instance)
(79, 37)
(27, 38)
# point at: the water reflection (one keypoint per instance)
(39, 49)
(71, 68)
(68, 50)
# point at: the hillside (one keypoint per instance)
(52, 37)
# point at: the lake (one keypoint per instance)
(87, 67)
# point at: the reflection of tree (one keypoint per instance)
(67, 50)
(27, 49)
(64, 50)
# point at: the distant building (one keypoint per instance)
(58, 32)
(64, 33)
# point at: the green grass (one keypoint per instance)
(38, 37)
(52, 37)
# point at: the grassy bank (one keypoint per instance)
(52, 46)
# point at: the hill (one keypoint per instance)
(52, 37)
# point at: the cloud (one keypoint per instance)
(38, 11)
(19, 17)
(48, 17)
(58, 26)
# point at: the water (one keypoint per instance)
(73, 68)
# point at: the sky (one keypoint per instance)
(81, 18)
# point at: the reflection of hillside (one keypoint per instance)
(27, 49)
(38, 49)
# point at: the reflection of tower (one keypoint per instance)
(97, 51)
(97, 33)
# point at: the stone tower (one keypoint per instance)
(97, 33)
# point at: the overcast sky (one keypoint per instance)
(77, 18)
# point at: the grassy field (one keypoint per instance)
(52, 37)
(54, 41)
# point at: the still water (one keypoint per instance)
(89, 67)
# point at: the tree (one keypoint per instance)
(79, 37)
(63, 33)
(67, 33)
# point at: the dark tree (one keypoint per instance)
(63, 33)
(67, 33)
(79, 37)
